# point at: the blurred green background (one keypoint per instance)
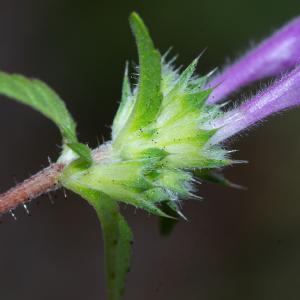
(236, 244)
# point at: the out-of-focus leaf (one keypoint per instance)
(117, 242)
(166, 225)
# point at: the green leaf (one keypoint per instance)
(149, 96)
(117, 238)
(41, 97)
(117, 242)
(82, 150)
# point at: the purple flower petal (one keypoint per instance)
(275, 55)
(283, 94)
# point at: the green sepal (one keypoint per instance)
(153, 153)
(177, 181)
(186, 76)
(197, 100)
(198, 83)
(125, 106)
(151, 207)
(181, 83)
(193, 137)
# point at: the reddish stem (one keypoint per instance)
(38, 184)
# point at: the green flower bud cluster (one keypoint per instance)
(160, 135)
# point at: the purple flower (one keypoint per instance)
(275, 55)
(283, 94)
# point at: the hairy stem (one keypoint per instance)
(44, 181)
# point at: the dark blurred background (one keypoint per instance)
(236, 244)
